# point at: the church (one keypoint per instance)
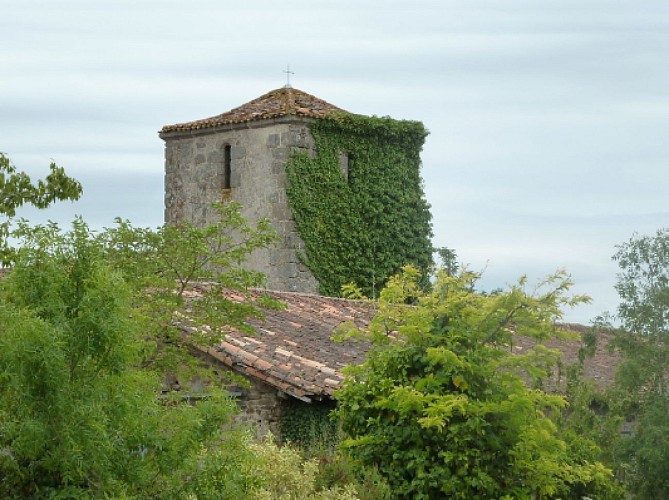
(304, 163)
(362, 184)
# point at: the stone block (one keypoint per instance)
(303, 269)
(289, 138)
(280, 153)
(237, 152)
(293, 241)
(278, 167)
(281, 180)
(235, 178)
(185, 153)
(280, 211)
(273, 140)
(289, 270)
(215, 157)
(199, 159)
(174, 183)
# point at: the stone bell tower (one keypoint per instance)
(240, 155)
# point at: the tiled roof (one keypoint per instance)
(285, 101)
(600, 368)
(293, 349)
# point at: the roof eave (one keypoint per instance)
(172, 133)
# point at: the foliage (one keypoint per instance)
(339, 469)
(313, 429)
(307, 424)
(641, 391)
(285, 474)
(361, 227)
(17, 190)
(448, 260)
(185, 255)
(443, 407)
(86, 331)
(77, 417)
(643, 286)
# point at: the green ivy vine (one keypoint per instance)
(362, 227)
(307, 424)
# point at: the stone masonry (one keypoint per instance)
(240, 155)
(194, 179)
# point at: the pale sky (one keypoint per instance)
(549, 120)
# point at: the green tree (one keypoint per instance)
(448, 259)
(161, 266)
(87, 331)
(446, 409)
(641, 391)
(16, 190)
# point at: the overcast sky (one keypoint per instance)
(549, 120)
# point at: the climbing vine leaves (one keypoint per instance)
(361, 225)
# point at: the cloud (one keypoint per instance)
(548, 119)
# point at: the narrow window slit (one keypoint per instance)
(227, 167)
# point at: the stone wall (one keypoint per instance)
(260, 408)
(194, 179)
(259, 403)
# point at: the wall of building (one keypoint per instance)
(195, 178)
(260, 408)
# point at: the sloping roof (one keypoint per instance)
(293, 349)
(285, 101)
(600, 368)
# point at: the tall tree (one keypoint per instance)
(443, 405)
(86, 332)
(641, 391)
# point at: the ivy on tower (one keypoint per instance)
(358, 203)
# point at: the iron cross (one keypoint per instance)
(288, 72)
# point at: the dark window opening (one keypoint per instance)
(227, 167)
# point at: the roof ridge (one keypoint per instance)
(289, 101)
(310, 295)
(204, 283)
(281, 102)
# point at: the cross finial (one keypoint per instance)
(288, 72)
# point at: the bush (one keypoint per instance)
(287, 475)
(443, 407)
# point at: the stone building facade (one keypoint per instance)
(291, 357)
(240, 155)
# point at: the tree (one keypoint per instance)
(641, 390)
(443, 406)
(86, 332)
(162, 265)
(643, 286)
(448, 259)
(16, 190)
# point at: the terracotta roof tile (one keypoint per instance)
(299, 351)
(282, 102)
(300, 358)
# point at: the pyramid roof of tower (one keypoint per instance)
(283, 102)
